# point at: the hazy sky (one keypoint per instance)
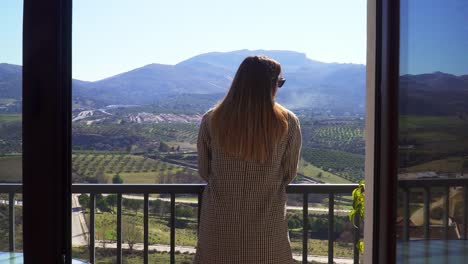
(112, 36)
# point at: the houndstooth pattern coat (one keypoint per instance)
(243, 212)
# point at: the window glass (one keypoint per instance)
(433, 136)
(144, 72)
(11, 14)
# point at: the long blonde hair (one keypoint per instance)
(248, 123)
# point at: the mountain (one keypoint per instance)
(435, 93)
(206, 77)
(202, 80)
(310, 83)
(10, 81)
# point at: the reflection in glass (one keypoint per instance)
(433, 136)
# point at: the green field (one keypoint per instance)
(132, 137)
(102, 150)
(344, 135)
(7, 100)
(311, 171)
(430, 122)
(137, 169)
(346, 165)
(102, 166)
(10, 117)
(425, 139)
(11, 168)
(448, 165)
(186, 235)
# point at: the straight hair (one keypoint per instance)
(247, 122)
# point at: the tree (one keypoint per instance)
(159, 207)
(101, 234)
(294, 222)
(101, 203)
(163, 147)
(117, 179)
(101, 177)
(111, 200)
(130, 233)
(83, 199)
(319, 175)
(184, 211)
(132, 204)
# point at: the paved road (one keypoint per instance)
(192, 250)
(79, 228)
(182, 201)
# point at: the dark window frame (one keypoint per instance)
(382, 131)
(47, 130)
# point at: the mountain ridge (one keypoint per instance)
(310, 83)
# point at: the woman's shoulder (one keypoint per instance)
(292, 117)
(207, 113)
(206, 116)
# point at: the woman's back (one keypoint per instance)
(243, 217)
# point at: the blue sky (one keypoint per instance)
(434, 36)
(113, 36)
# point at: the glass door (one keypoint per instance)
(431, 211)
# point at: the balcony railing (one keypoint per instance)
(428, 186)
(173, 189)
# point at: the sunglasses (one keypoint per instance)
(281, 81)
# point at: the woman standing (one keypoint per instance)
(248, 152)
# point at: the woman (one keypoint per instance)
(248, 151)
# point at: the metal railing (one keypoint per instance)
(146, 189)
(428, 186)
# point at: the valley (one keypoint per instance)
(141, 126)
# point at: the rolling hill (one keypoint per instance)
(204, 79)
(207, 77)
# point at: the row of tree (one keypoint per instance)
(157, 207)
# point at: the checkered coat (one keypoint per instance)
(243, 212)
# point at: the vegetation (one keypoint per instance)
(345, 134)
(347, 165)
(10, 134)
(137, 152)
(10, 117)
(131, 137)
(100, 166)
(107, 256)
(308, 170)
(427, 139)
(11, 168)
(186, 227)
(358, 210)
(117, 179)
(4, 226)
(447, 165)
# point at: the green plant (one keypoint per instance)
(117, 179)
(358, 209)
